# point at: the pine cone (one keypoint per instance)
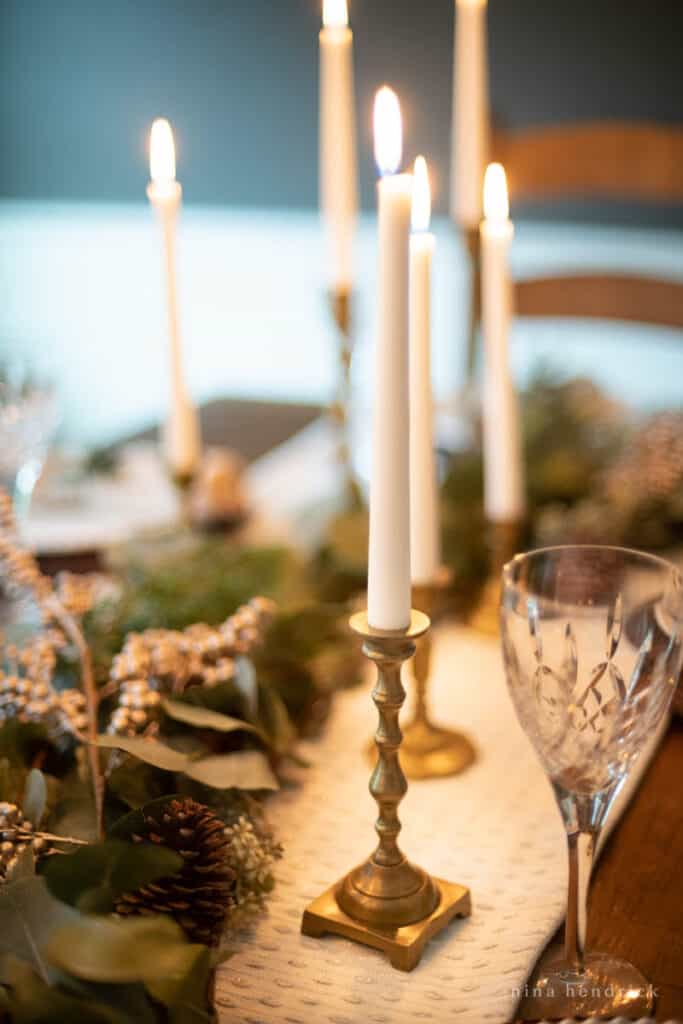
(201, 894)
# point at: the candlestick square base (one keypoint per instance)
(404, 945)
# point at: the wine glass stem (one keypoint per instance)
(581, 846)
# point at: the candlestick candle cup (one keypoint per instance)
(387, 902)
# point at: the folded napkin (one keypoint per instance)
(495, 828)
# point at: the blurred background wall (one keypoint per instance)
(80, 81)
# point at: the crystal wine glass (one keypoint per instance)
(592, 648)
(28, 420)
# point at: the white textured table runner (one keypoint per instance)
(496, 829)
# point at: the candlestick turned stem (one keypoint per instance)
(473, 244)
(340, 305)
(387, 902)
(429, 750)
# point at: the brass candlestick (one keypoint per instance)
(504, 541)
(183, 483)
(387, 902)
(473, 245)
(428, 750)
(340, 305)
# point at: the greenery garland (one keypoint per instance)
(594, 474)
(77, 900)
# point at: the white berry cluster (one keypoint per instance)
(16, 834)
(164, 661)
(27, 692)
(138, 704)
(251, 857)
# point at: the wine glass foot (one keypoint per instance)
(606, 987)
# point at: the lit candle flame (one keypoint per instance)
(335, 14)
(496, 205)
(422, 196)
(161, 152)
(388, 131)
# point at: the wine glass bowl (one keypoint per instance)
(592, 648)
(28, 420)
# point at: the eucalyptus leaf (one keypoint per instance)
(152, 950)
(135, 783)
(205, 718)
(151, 751)
(35, 797)
(31, 1001)
(185, 993)
(132, 823)
(95, 875)
(74, 811)
(133, 1000)
(142, 863)
(244, 769)
(275, 719)
(29, 916)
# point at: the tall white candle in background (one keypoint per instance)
(425, 547)
(504, 498)
(181, 433)
(470, 130)
(338, 165)
(389, 551)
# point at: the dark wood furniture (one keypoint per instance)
(636, 908)
(599, 159)
(637, 161)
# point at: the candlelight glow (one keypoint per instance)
(496, 206)
(161, 151)
(388, 131)
(422, 196)
(335, 14)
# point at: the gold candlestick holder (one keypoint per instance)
(387, 902)
(504, 541)
(430, 751)
(340, 301)
(183, 483)
(473, 244)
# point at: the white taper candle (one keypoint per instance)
(389, 549)
(425, 547)
(470, 129)
(181, 436)
(338, 163)
(504, 489)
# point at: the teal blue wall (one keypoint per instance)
(80, 81)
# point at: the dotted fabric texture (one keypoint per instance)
(495, 829)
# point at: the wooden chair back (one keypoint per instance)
(629, 160)
(638, 161)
